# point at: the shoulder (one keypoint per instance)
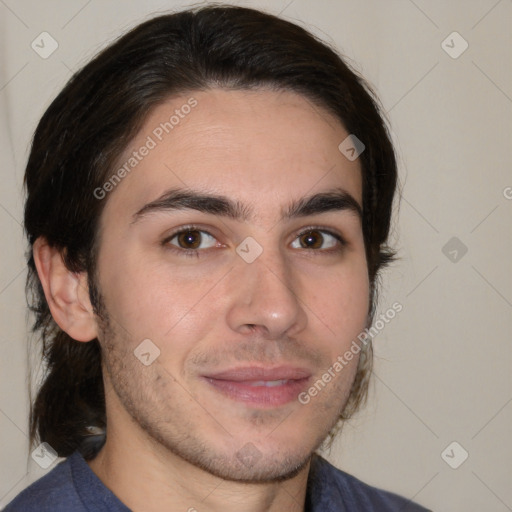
(330, 489)
(53, 492)
(71, 486)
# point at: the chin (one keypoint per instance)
(271, 462)
(250, 465)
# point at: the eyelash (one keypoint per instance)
(197, 252)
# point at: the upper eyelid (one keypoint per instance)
(191, 227)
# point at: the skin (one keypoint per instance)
(173, 439)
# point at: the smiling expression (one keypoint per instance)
(235, 246)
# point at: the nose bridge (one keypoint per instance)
(267, 295)
(274, 274)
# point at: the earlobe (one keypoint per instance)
(66, 292)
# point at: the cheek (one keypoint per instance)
(154, 300)
(342, 303)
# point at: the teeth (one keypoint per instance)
(269, 383)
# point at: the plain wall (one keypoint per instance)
(443, 364)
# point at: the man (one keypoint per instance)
(208, 206)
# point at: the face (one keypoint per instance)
(234, 248)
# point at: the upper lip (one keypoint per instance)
(253, 373)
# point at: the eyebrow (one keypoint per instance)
(186, 199)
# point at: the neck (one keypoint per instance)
(150, 481)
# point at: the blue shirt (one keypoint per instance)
(73, 487)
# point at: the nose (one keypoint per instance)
(265, 297)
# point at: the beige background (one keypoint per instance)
(443, 365)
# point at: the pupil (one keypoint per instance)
(191, 239)
(312, 240)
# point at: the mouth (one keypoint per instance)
(260, 387)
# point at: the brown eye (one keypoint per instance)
(316, 239)
(192, 239)
(311, 240)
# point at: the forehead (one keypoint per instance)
(263, 148)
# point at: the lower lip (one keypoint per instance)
(262, 396)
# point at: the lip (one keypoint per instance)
(249, 373)
(260, 386)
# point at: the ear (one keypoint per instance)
(66, 292)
